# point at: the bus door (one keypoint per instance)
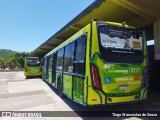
(50, 68)
(79, 69)
(44, 69)
(47, 67)
(68, 68)
(59, 65)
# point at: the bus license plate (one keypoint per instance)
(123, 87)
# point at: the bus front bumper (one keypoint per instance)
(32, 74)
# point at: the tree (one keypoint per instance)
(17, 59)
(3, 63)
(13, 63)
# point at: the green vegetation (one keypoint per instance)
(4, 53)
(11, 59)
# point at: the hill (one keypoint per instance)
(4, 53)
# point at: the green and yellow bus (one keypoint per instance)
(32, 67)
(104, 63)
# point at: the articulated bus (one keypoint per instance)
(32, 67)
(104, 63)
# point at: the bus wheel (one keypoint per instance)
(60, 91)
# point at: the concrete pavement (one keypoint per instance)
(18, 93)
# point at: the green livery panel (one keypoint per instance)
(117, 78)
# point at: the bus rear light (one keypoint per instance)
(137, 77)
(95, 77)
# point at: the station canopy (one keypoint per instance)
(139, 13)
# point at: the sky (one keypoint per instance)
(26, 24)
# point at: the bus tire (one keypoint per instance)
(60, 89)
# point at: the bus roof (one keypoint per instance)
(72, 38)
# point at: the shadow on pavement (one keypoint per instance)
(83, 111)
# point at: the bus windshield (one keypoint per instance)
(118, 43)
(33, 62)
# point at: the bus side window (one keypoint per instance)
(47, 68)
(59, 65)
(69, 58)
(44, 63)
(80, 55)
(54, 67)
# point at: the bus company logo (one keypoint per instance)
(108, 80)
(6, 114)
(108, 41)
